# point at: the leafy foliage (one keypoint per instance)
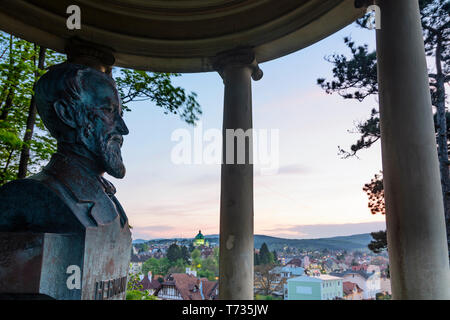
(134, 282)
(268, 297)
(266, 280)
(136, 85)
(379, 242)
(23, 132)
(375, 192)
(156, 266)
(265, 257)
(139, 295)
(174, 252)
(355, 77)
(18, 73)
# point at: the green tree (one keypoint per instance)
(196, 258)
(265, 256)
(134, 283)
(174, 252)
(265, 280)
(25, 144)
(275, 257)
(211, 265)
(21, 65)
(379, 242)
(256, 259)
(156, 266)
(185, 254)
(136, 85)
(144, 247)
(139, 295)
(179, 266)
(208, 274)
(216, 254)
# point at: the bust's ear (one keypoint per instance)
(65, 113)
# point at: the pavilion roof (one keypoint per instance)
(176, 35)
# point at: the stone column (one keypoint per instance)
(417, 242)
(236, 201)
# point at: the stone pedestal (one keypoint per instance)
(46, 247)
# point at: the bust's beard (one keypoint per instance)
(112, 158)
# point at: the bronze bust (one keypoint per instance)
(81, 108)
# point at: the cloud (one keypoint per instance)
(324, 230)
(181, 209)
(167, 232)
(151, 232)
(293, 169)
(204, 179)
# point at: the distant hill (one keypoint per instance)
(353, 242)
(139, 241)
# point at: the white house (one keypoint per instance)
(369, 282)
(306, 261)
(136, 263)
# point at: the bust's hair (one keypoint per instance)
(68, 82)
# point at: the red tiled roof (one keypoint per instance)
(296, 262)
(349, 287)
(189, 286)
(149, 285)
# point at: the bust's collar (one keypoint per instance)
(85, 186)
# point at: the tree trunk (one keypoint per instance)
(8, 161)
(25, 152)
(10, 72)
(12, 82)
(442, 135)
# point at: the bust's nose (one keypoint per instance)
(122, 127)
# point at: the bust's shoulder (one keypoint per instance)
(31, 205)
(25, 190)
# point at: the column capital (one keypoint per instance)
(237, 57)
(90, 54)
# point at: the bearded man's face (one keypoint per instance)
(104, 128)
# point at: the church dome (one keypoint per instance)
(199, 235)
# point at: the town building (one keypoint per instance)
(294, 263)
(306, 261)
(288, 272)
(322, 287)
(352, 291)
(136, 263)
(385, 285)
(369, 282)
(182, 286)
(199, 240)
(149, 283)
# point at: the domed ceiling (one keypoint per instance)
(180, 35)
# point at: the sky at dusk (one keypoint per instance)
(314, 192)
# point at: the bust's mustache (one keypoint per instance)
(115, 138)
